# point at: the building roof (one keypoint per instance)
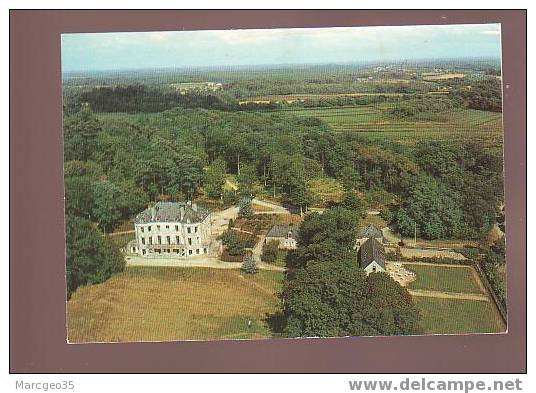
(371, 250)
(369, 231)
(283, 230)
(183, 212)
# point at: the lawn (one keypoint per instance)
(453, 316)
(326, 189)
(444, 278)
(162, 304)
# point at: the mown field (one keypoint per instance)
(459, 279)
(371, 123)
(454, 316)
(162, 304)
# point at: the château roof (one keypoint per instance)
(371, 250)
(183, 212)
(369, 231)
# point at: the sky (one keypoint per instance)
(215, 48)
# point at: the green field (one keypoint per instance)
(162, 304)
(459, 279)
(453, 316)
(370, 122)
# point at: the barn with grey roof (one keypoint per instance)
(371, 256)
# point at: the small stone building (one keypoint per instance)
(371, 256)
(366, 233)
(286, 235)
(178, 229)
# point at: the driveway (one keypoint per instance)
(274, 208)
(201, 261)
(220, 220)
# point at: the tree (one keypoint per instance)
(398, 312)
(80, 133)
(79, 198)
(350, 178)
(91, 258)
(336, 298)
(107, 207)
(215, 179)
(351, 201)
(249, 265)
(132, 199)
(299, 195)
(433, 208)
(246, 180)
(244, 208)
(270, 251)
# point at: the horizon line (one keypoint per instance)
(275, 65)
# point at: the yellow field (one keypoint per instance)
(439, 77)
(163, 304)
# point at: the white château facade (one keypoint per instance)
(178, 229)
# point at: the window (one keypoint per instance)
(204, 250)
(143, 252)
(177, 228)
(168, 238)
(158, 251)
(143, 240)
(197, 251)
(149, 228)
(190, 241)
(159, 239)
(141, 229)
(189, 230)
(150, 240)
(189, 252)
(158, 227)
(167, 226)
(195, 229)
(176, 251)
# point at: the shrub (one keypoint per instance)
(270, 251)
(244, 208)
(229, 197)
(236, 242)
(249, 265)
